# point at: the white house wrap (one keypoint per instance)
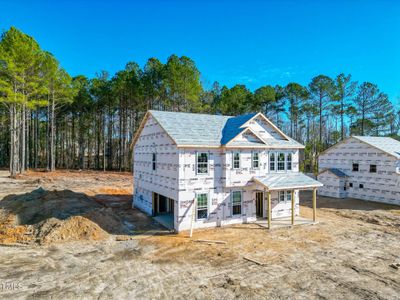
(362, 167)
(210, 170)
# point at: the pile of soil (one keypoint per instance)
(46, 217)
(72, 229)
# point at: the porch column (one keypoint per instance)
(314, 204)
(292, 207)
(269, 210)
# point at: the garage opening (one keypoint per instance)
(163, 210)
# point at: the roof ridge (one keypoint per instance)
(203, 114)
(187, 129)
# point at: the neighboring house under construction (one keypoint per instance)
(362, 167)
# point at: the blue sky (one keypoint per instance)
(250, 42)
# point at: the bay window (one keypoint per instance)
(272, 161)
(289, 162)
(281, 161)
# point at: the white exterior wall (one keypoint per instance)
(164, 180)
(175, 177)
(240, 177)
(219, 201)
(333, 185)
(382, 186)
(219, 192)
(264, 130)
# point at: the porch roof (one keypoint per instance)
(287, 181)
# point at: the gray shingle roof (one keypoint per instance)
(386, 144)
(209, 130)
(337, 172)
(288, 181)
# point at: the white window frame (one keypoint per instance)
(289, 154)
(233, 160)
(197, 162)
(258, 160)
(154, 161)
(288, 196)
(203, 207)
(241, 203)
(280, 193)
(284, 162)
(273, 162)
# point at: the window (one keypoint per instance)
(372, 168)
(361, 186)
(355, 167)
(202, 163)
(255, 160)
(281, 196)
(344, 188)
(237, 203)
(289, 162)
(236, 160)
(281, 162)
(350, 184)
(154, 161)
(272, 161)
(202, 206)
(289, 195)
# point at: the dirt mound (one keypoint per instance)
(16, 234)
(48, 217)
(72, 229)
(39, 205)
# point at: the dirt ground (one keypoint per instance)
(352, 253)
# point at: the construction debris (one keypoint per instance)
(210, 241)
(254, 261)
(395, 266)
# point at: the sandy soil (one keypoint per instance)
(350, 254)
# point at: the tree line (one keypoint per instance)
(50, 120)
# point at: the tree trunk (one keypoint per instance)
(320, 119)
(52, 137)
(23, 139)
(342, 119)
(14, 141)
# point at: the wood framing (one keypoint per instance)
(314, 204)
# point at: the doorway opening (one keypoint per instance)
(163, 210)
(259, 204)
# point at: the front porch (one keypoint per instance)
(284, 185)
(284, 222)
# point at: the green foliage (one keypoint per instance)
(101, 115)
(374, 110)
(182, 82)
(234, 101)
(264, 99)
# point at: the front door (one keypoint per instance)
(259, 204)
